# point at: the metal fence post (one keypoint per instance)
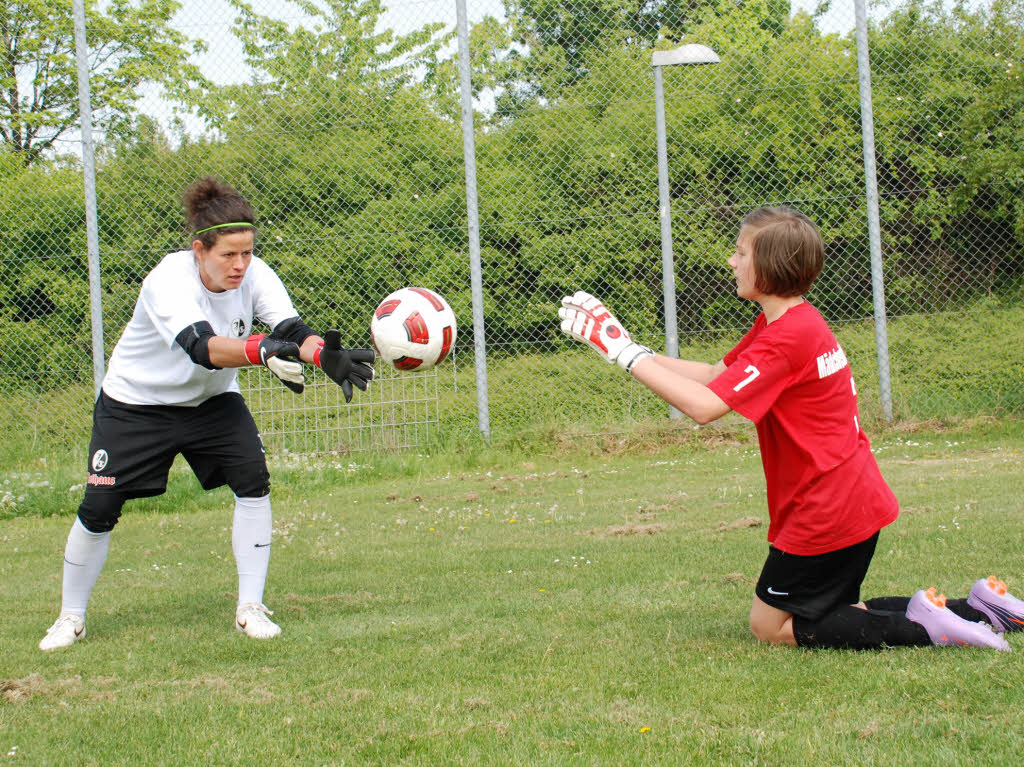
(690, 54)
(867, 122)
(668, 268)
(473, 222)
(89, 173)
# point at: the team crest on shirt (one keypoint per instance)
(238, 327)
(100, 459)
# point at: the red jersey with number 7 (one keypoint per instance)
(791, 378)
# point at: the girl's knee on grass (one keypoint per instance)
(770, 624)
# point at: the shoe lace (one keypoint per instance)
(255, 610)
(61, 622)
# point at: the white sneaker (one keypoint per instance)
(251, 619)
(65, 631)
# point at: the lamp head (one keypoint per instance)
(692, 53)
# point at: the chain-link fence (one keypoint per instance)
(341, 123)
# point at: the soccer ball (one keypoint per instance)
(413, 329)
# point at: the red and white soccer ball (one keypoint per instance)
(413, 329)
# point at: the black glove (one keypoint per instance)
(280, 357)
(345, 366)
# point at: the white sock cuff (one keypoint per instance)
(78, 528)
(253, 507)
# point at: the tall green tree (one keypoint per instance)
(556, 43)
(322, 66)
(131, 45)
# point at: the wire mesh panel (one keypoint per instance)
(324, 119)
(570, 177)
(45, 360)
(321, 115)
(948, 110)
(340, 121)
(568, 167)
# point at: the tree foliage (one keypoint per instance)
(348, 143)
(129, 45)
(331, 65)
(557, 43)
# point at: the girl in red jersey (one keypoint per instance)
(827, 500)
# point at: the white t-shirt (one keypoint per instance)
(148, 367)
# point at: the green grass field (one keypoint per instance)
(581, 603)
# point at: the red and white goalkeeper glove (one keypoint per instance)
(586, 319)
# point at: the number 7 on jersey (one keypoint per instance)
(754, 373)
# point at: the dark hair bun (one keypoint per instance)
(209, 202)
(203, 193)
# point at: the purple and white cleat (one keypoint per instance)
(945, 627)
(1005, 611)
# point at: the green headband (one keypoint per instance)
(221, 226)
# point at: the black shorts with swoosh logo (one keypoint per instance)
(814, 586)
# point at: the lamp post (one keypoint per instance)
(686, 54)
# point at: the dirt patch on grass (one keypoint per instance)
(940, 425)
(499, 727)
(226, 687)
(354, 695)
(646, 440)
(355, 598)
(623, 711)
(740, 524)
(22, 690)
(907, 510)
(630, 528)
(655, 507)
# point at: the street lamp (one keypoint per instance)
(686, 54)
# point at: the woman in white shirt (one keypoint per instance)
(171, 388)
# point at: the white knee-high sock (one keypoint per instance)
(84, 556)
(250, 539)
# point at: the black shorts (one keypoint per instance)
(814, 586)
(133, 446)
